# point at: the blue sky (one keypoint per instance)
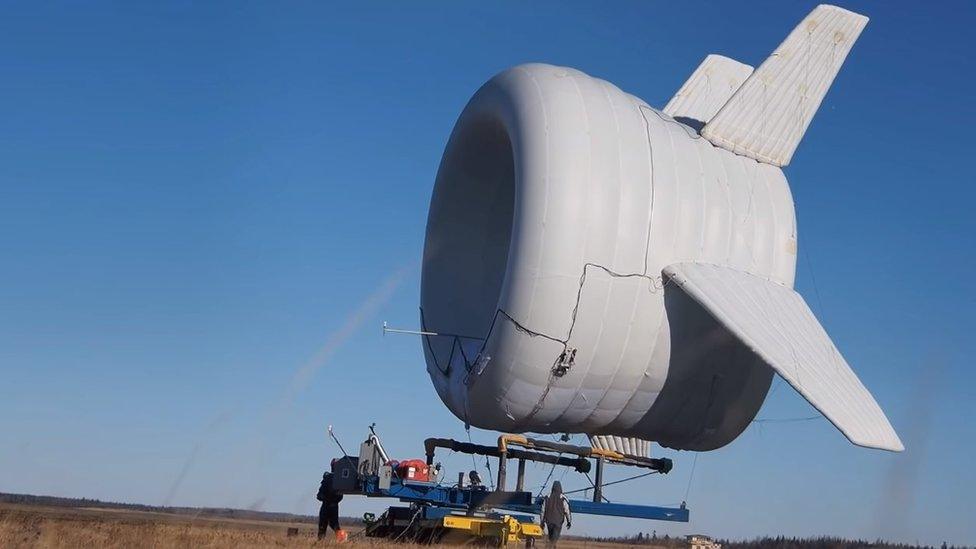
(207, 211)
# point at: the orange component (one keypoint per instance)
(413, 469)
(341, 536)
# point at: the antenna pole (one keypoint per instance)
(387, 329)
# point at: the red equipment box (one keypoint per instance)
(413, 469)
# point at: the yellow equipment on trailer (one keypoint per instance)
(506, 530)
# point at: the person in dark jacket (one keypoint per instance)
(555, 511)
(329, 512)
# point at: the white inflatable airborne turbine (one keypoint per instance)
(596, 266)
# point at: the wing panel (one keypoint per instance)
(776, 323)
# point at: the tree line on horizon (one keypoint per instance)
(766, 542)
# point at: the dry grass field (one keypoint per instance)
(40, 526)
(36, 526)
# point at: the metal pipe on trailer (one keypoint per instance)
(598, 485)
(520, 480)
(502, 466)
(580, 464)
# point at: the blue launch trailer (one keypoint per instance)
(374, 474)
(468, 498)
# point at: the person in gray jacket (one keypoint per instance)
(555, 511)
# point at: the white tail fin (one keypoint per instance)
(706, 90)
(767, 117)
(780, 328)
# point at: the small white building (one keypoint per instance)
(699, 541)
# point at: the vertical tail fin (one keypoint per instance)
(768, 115)
(706, 90)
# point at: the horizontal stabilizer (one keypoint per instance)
(767, 117)
(775, 323)
(706, 90)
